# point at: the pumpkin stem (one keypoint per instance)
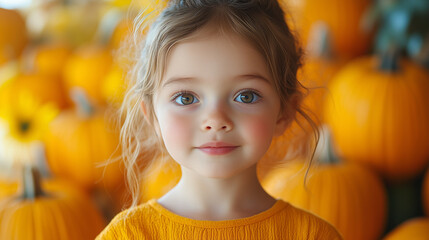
(82, 102)
(31, 183)
(319, 42)
(389, 60)
(324, 151)
(108, 24)
(40, 159)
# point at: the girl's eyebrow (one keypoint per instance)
(177, 79)
(239, 77)
(253, 76)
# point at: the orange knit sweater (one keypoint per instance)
(281, 221)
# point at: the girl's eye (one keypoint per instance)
(185, 99)
(247, 97)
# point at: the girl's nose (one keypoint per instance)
(217, 120)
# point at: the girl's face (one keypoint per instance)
(217, 109)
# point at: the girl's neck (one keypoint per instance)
(203, 198)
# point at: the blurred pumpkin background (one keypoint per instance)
(63, 76)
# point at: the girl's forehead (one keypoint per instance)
(218, 30)
(211, 49)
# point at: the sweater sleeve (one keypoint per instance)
(128, 224)
(114, 230)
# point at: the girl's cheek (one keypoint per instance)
(176, 129)
(259, 129)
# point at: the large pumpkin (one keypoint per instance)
(13, 32)
(80, 141)
(59, 212)
(343, 19)
(416, 229)
(349, 196)
(379, 115)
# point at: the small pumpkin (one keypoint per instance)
(80, 141)
(378, 115)
(87, 68)
(72, 22)
(416, 229)
(349, 196)
(14, 36)
(343, 19)
(48, 58)
(60, 212)
(43, 88)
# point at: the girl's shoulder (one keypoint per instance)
(130, 223)
(309, 224)
(282, 221)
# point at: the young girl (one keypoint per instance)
(214, 83)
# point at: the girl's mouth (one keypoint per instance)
(217, 148)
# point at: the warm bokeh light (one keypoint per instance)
(366, 67)
(11, 4)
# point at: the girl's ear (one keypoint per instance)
(144, 109)
(287, 115)
(149, 119)
(282, 124)
(146, 113)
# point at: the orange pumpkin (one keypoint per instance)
(75, 23)
(13, 32)
(43, 88)
(48, 59)
(60, 212)
(380, 117)
(342, 18)
(79, 142)
(425, 193)
(416, 229)
(347, 195)
(87, 68)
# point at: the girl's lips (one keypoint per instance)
(217, 148)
